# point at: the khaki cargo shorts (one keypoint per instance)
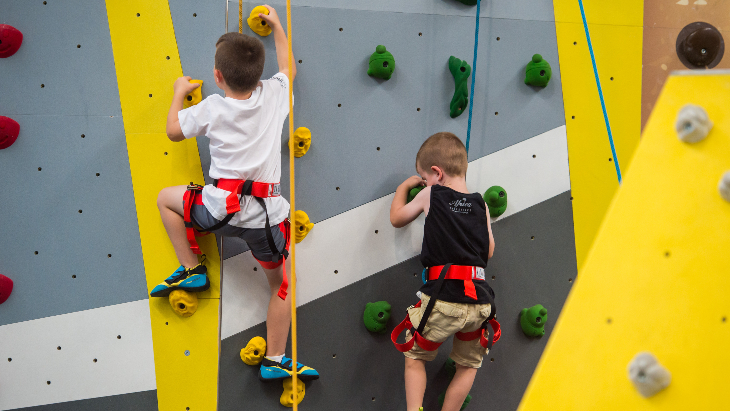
(447, 319)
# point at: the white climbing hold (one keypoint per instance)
(648, 376)
(693, 124)
(724, 186)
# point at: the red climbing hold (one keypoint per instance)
(9, 130)
(6, 287)
(10, 40)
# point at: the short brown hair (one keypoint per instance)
(443, 150)
(240, 59)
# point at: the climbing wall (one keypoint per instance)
(666, 291)
(365, 134)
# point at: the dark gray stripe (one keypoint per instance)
(136, 401)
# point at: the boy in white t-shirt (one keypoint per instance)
(244, 129)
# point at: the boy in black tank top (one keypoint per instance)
(457, 232)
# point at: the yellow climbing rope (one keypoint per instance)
(240, 16)
(291, 211)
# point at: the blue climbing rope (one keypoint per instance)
(473, 76)
(600, 92)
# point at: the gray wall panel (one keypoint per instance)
(136, 401)
(502, 9)
(384, 114)
(357, 366)
(77, 81)
(41, 213)
(376, 113)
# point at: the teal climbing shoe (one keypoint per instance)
(191, 279)
(272, 370)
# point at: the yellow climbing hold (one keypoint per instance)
(302, 141)
(196, 96)
(253, 353)
(287, 397)
(183, 302)
(302, 224)
(257, 24)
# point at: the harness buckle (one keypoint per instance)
(194, 187)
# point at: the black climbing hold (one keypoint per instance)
(700, 45)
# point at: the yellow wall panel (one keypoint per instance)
(656, 277)
(618, 55)
(614, 12)
(147, 63)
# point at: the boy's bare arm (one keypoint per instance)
(401, 213)
(491, 237)
(282, 45)
(182, 88)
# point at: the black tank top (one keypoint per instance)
(456, 232)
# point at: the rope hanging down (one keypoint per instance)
(600, 91)
(473, 76)
(292, 227)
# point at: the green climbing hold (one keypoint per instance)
(496, 199)
(461, 71)
(533, 320)
(538, 72)
(414, 192)
(450, 367)
(467, 400)
(376, 316)
(381, 63)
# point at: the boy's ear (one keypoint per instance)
(438, 171)
(218, 76)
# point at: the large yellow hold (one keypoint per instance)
(302, 224)
(302, 141)
(195, 96)
(257, 24)
(287, 397)
(183, 302)
(253, 353)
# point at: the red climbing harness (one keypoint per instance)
(460, 272)
(258, 191)
(441, 273)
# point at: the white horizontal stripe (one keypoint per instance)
(123, 365)
(347, 243)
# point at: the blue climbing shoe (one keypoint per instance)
(272, 370)
(191, 279)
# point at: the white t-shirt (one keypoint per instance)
(245, 144)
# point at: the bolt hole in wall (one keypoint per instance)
(73, 276)
(78, 46)
(39, 169)
(43, 85)
(420, 34)
(83, 136)
(336, 271)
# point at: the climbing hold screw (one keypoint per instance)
(693, 124)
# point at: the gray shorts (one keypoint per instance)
(254, 237)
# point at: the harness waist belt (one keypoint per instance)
(467, 273)
(246, 187)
